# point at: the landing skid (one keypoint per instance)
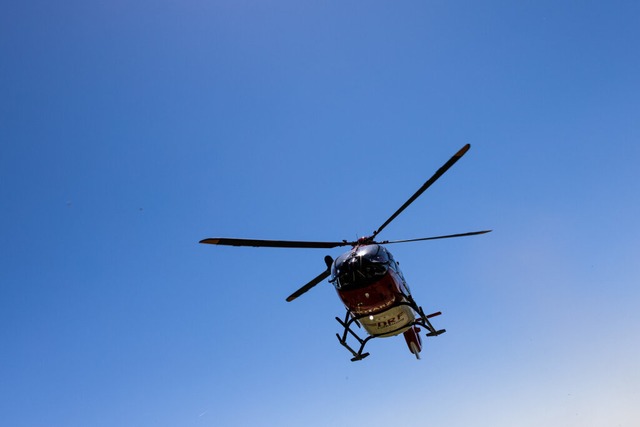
(349, 319)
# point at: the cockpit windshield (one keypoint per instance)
(361, 266)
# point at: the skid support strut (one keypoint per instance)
(422, 319)
(349, 319)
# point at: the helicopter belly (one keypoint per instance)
(390, 322)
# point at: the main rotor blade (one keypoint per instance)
(309, 285)
(426, 185)
(472, 233)
(273, 243)
(327, 260)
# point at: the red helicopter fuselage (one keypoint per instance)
(375, 293)
(369, 283)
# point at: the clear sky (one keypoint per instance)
(130, 130)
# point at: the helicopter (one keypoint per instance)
(369, 282)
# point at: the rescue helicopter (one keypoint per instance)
(369, 282)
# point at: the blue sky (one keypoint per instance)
(131, 130)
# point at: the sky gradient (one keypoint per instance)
(130, 130)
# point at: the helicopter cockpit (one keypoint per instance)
(360, 267)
